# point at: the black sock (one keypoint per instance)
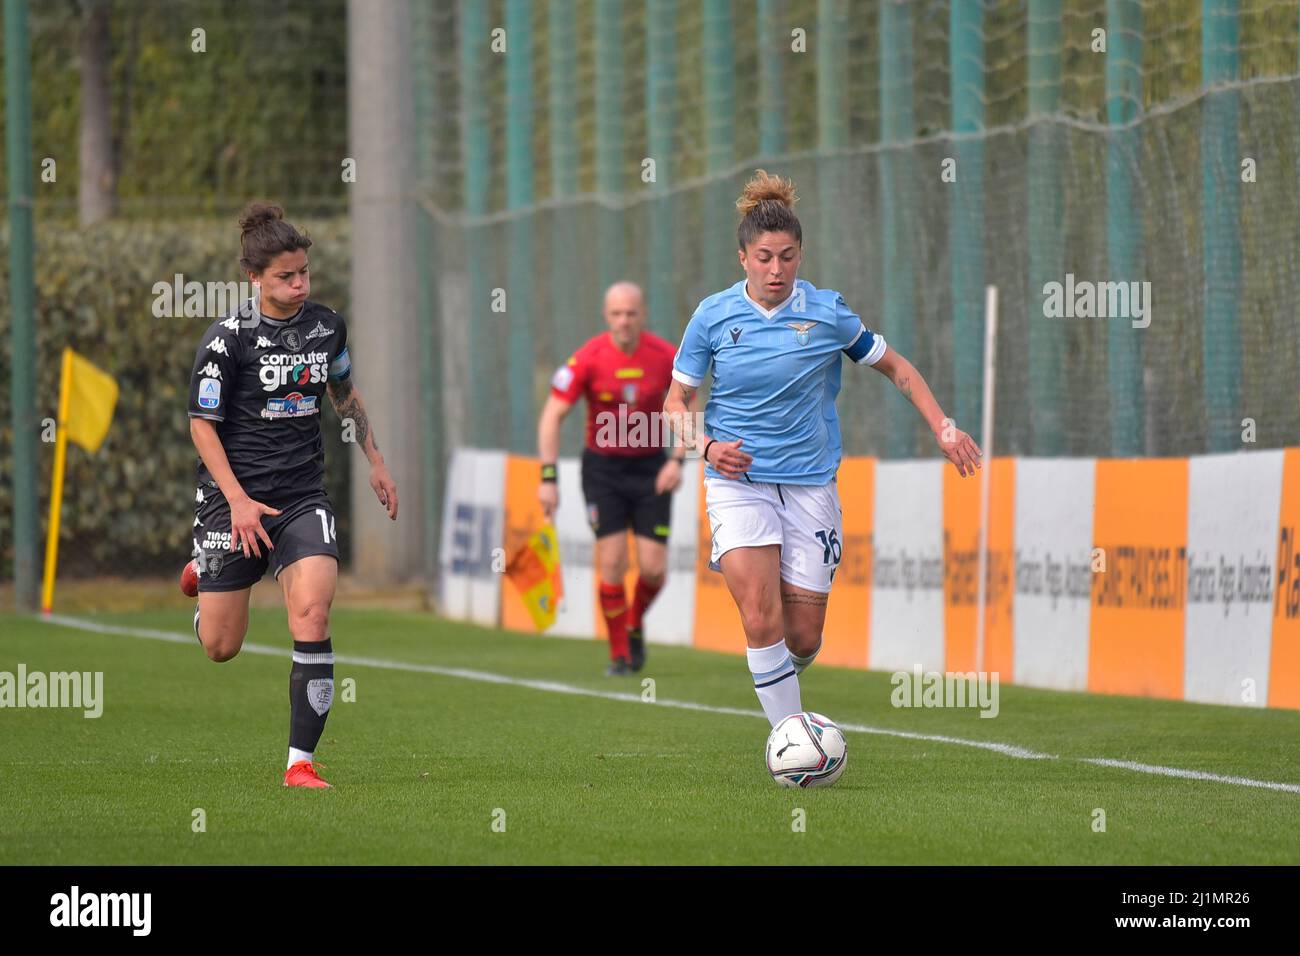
(311, 691)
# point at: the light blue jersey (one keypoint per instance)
(775, 377)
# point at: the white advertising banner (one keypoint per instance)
(1053, 571)
(1233, 503)
(907, 567)
(472, 524)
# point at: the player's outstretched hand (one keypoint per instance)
(728, 460)
(246, 526)
(548, 493)
(960, 449)
(385, 488)
(669, 478)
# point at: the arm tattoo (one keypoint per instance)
(904, 385)
(680, 421)
(348, 404)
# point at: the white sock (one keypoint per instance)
(775, 681)
(296, 755)
(801, 663)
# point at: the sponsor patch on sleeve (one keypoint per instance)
(209, 393)
(562, 378)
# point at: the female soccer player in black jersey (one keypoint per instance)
(255, 404)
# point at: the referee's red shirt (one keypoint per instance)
(609, 378)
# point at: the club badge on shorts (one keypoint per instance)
(213, 564)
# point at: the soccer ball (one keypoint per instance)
(806, 750)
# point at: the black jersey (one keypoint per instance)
(263, 381)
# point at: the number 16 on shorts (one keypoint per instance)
(830, 546)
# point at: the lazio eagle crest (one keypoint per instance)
(801, 330)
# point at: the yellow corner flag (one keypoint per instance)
(87, 397)
(87, 401)
(535, 571)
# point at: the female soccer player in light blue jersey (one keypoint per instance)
(771, 438)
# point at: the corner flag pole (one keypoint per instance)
(56, 484)
(986, 478)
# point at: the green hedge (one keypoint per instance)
(128, 509)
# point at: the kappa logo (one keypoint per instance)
(211, 370)
(735, 334)
(232, 323)
(264, 343)
(319, 331)
(218, 345)
(802, 331)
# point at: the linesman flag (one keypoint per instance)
(535, 571)
(87, 397)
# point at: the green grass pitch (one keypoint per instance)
(424, 763)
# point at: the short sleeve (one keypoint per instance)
(695, 353)
(341, 362)
(858, 342)
(216, 366)
(570, 379)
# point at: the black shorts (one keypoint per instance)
(620, 493)
(303, 528)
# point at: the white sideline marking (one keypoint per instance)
(1008, 750)
(1190, 774)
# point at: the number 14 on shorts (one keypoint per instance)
(327, 527)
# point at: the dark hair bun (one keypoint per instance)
(257, 214)
(265, 235)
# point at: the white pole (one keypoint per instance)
(986, 446)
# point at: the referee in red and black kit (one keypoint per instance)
(627, 475)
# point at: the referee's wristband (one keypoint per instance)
(549, 473)
(705, 455)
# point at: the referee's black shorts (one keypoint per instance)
(620, 493)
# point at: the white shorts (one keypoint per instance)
(805, 520)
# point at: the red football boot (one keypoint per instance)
(303, 774)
